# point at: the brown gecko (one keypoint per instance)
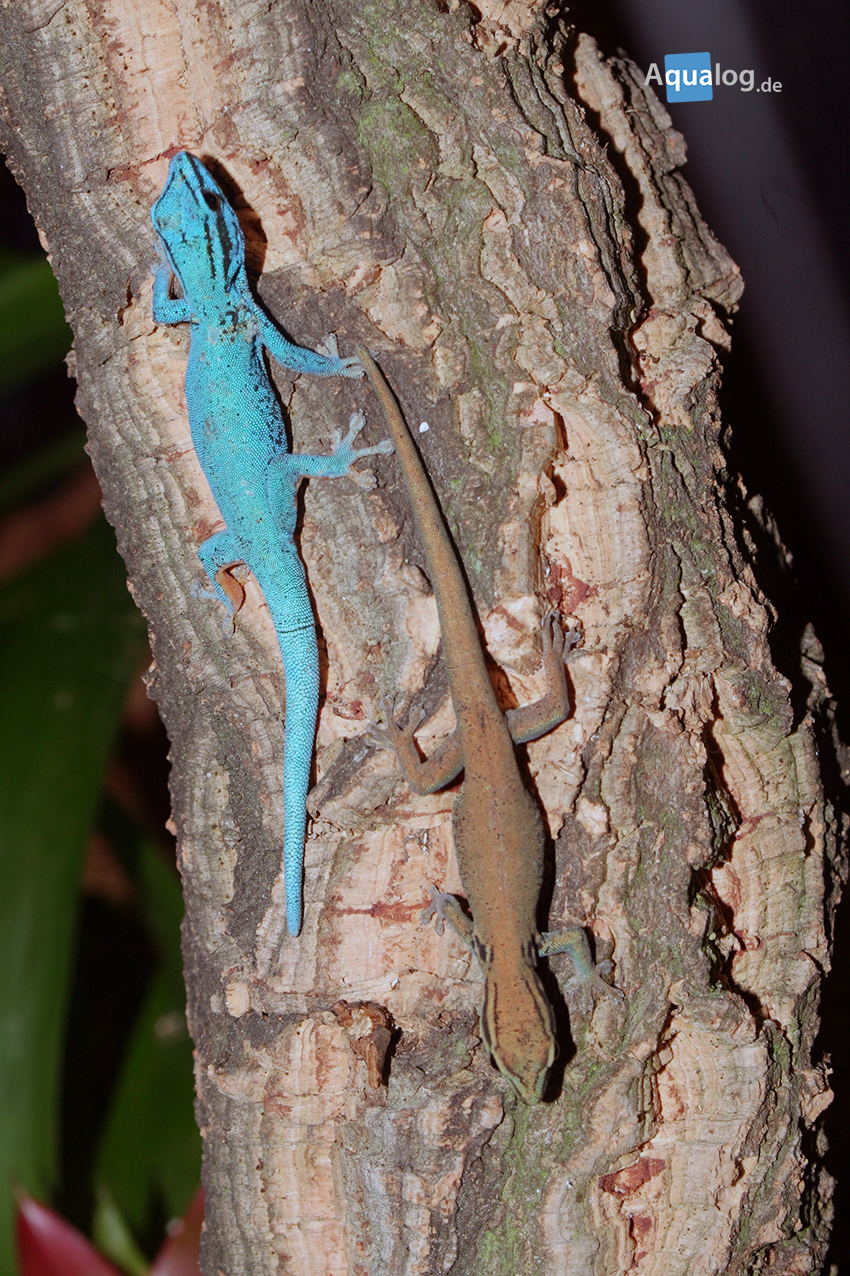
(499, 835)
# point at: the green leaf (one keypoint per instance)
(34, 335)
(113, 1237)
(70, 639)
(150, 1152)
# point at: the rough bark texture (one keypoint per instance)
(500, 213)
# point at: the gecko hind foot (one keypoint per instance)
(435, 910)
(351, 365)
(391, 735)
(329, 346)
(557, 641)
(397, 732)
(448, 908)
(356, 422)
(344, 446)
(588, 981)
(584, 991)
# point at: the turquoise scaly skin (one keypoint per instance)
(240, 438)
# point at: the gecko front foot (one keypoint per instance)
(209, 594)
(228, 585)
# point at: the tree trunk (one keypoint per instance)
(498, 212)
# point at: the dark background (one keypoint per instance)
(770, 175)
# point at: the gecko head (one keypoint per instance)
(518, 1028)
(197, 226)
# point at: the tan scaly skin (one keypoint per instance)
(498, 830)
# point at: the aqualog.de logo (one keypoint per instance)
(688, 78)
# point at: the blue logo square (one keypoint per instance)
(688, 77)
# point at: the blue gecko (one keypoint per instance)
(240, 438)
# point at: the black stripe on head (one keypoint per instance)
(210, 241)
(222, 234)
(226, 242)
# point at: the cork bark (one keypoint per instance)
(497, 211)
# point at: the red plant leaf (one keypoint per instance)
(49, 1246)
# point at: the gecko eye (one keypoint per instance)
(212, 201)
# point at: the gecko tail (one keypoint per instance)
(294, 900)
(299, 652)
